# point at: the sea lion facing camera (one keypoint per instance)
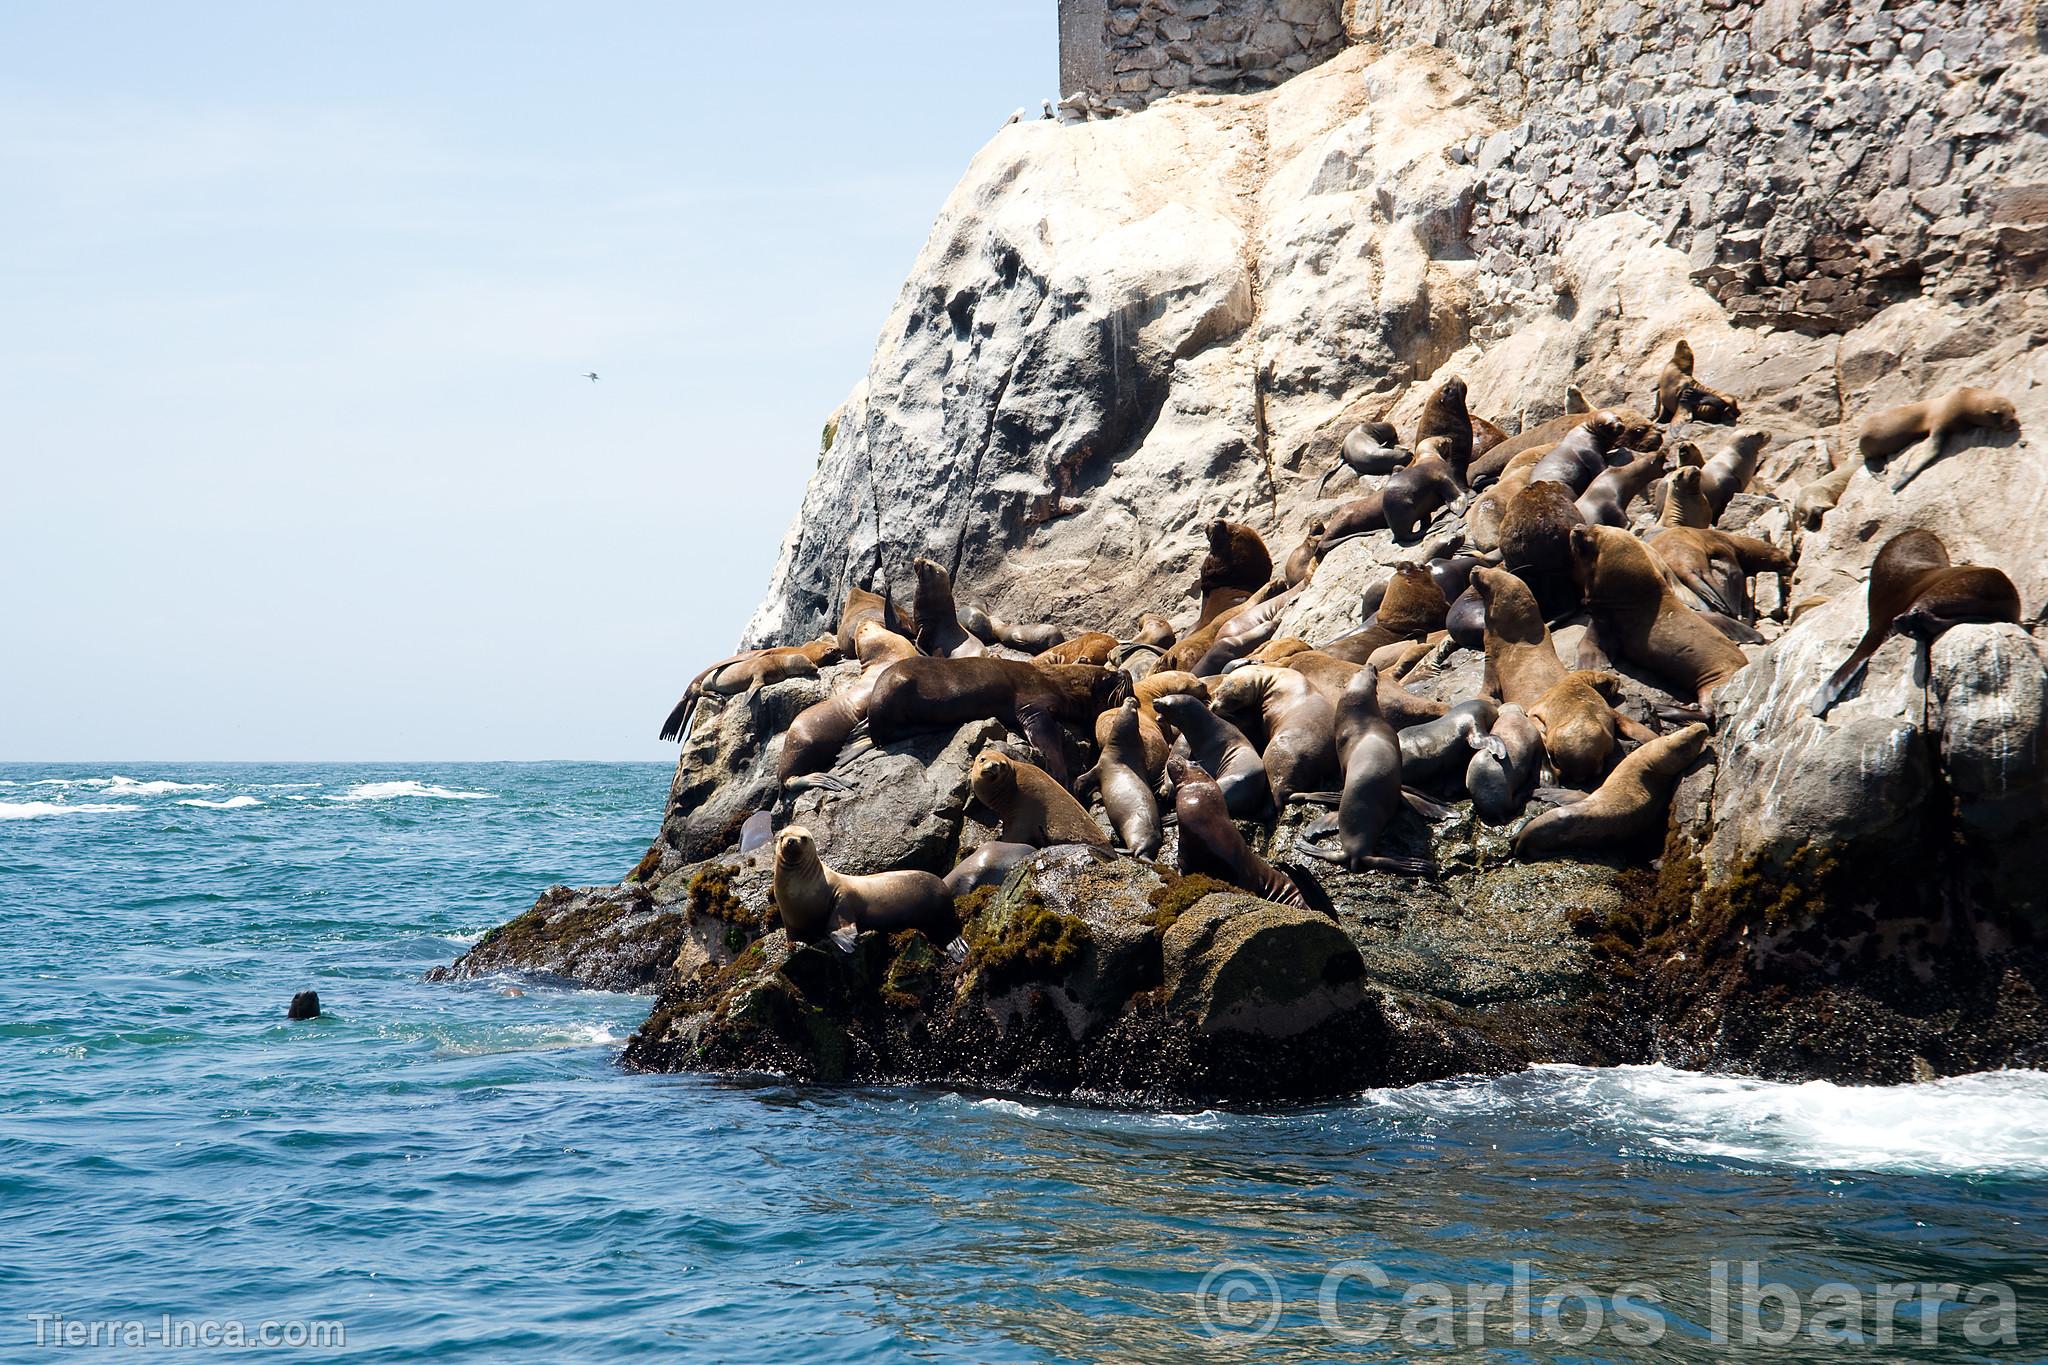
(810, 896)
(1119, 777)
(1222, 750)
(1444, 415)
(1210, 844)
(1371, 796)
(1033, 807)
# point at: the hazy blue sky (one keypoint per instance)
(293, 303)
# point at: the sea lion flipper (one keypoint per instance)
(1317, 798)
(1557, 796)
(1428, 807)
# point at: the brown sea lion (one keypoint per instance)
(938, 619)
(1412, 607)
(1351, 520)
(1371, 795)
(1119, 776)
(1684, 503)
(1033, 807)
(1222, 750)
(1642, 620)
(747, 671)
(1155, 631)
(1630, 804)
(1637, 433)
(1887, 433)
(989, 865)
(1485, 436)
(1210, 844)
(1237, 558)
(1444, 414)
(1605, 501)
(1330, 675)
(1183, 654)
(1148, 690)
(1089, 647)
(810, 897)
(1369, 448)
(862, 605)
(1506, 762)
(1521, 659)
(815, 737)
(1678, 390)
(1818, 497)
(1030, 699)
(1579, 725)
(1730, 471)
(1535, 543)
(1300, 750)
(1301, 563)
(1583, 454)
(1025, 639)
(1242, 632)
(1715, 566)
(1915, 590)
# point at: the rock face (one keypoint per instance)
(1122, 328)
(1125, 54)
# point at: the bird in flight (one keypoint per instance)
(591, 375)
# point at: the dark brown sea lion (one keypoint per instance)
(1189, 650)
(1411, 497)
(1119, 776)
(1583, 454)
(1237, 558)
(1887, 433)
(1729, 472)
(938, 619)
(1465, 622)
(1443, 745)
(1369, 448)
(1535, 543)
(747, 671)
(1485, 436)
(1301, 564)
(1642, 620)
(989, 865)
(1210, 844)
(1605, 501)
(1678, 390)
(1030, 699)
(1242, 632)
(1025, 639)
(1221, 749)
(1628, 805)
(1637, 433)
(1371, 796)
(1352, 520)
(1300, 750)
(1089, 647)
(1445, 415)
(819, 731)
(1506, 762)
(1914, 589)
(1033, 807)
(1715, 566)
(810, 897)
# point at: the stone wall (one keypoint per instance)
(1127, 53)
(1815, 159)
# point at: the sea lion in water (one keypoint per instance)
(1436, 747)
(1237, 558)
(1444, 415)
(1030, 699)
(1630, 803)
(989, 865)
(1678, 390)
(1915, 589)
(1222, 750)
(1119, 775)
(1210, 844)
(1033, 807)
(1300, 750)
(1637, 433)
(1606, 499)
(1025, 639)
(1642, 620)
(938, 620)
(1729, 472)
(748, 671)
(1369, 448)
(1715, 566)
(1506, 761)
(1535, 543)
(810, 897)
(1371, 797)
(1887, 433)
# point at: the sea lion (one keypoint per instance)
(810, 897)
(1579, 724)
(1155, 632)
(1351, 520)
(814, 739)
(1222, 750)
(1583, 454)
(1817, 498)
(1301, 563)
(1887, 433)
(1715, 566)
(1535, 543)
(1485, 436)
(1642, 620)
(1300, 751)
(1465, 622)
(1330, 675)
(1411, 497)
(1444, 414)
(1678, 390)
(1119, 775)
(748, 671)
(989, 865)
(1915, 589)
(1521, 659)
(1025, 639)
(1369, 448)
(1411, 607)
(938, 619)
(1210, 844)
(1506, 762)
(1148, 690)
(1033, 807)
(1606, 499)
(1030, 699)
(1237, 558)
(1729, 472)
(1637, 433)
(1684, 502)
(1089, 647)
(1242, 632)
(1371, 795)
(863, 605)
(757, 829)
(1629, 804)
(1442, 745)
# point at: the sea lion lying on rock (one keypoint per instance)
(1678, 391)
(745, 672)
(939, 631)
(1033, 808)
(1024, 639)
(1369, 448)
(1629, 804)
(1372, 794)
(1640, 619)
(1030, 699)
(811, 897)
(1887, 433)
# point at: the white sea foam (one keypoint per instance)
(232, 803)
(1994, 1123)
(30, 810)
(386, 791)
(128, 786)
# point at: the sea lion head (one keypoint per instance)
(1605, 427)
(1689, 453)
(993, 777)
(825, 648)
(1637, 431)
(1586, 552)
(1175, 708)
(1685, 481)
(1997, 411)
(1219, 535)
(1748, 443)
(1382, 433)
(795, 848)
(1315, 528)
(1241, 691)
(1361, 695)
(1452, 390)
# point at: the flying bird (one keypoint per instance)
(591, 375)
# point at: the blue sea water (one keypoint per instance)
(463, 1172)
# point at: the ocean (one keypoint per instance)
(464, 1172)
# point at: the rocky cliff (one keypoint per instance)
(1121, 328)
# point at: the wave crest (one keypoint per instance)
(387, 791)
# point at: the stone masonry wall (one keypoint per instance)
(1128, 53)
(1816, 159)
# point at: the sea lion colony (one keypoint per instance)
(1598, 520)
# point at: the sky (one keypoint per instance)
(296, 462)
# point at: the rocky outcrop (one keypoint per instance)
(1123, 54)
